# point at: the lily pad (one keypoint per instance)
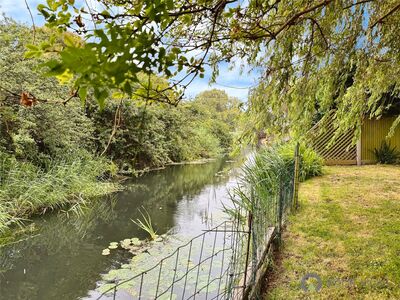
(126, 241)
(105, 252)
(113, 245)
(136, 242)
(118, 274)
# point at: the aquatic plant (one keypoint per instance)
(146, 224)
(105, 252)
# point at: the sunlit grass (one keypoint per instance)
(348, 232)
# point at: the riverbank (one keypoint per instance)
(57, 156)
(27, 190)
(140, 172)
(62, 253)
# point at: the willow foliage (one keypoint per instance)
(312, 56)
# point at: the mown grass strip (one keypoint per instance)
(347, 232)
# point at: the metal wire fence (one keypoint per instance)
(222, 262)
(206, 267)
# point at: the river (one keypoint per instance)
(61, 258)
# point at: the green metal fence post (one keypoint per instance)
(295, 201)
(280, 208)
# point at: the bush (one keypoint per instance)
(311, 163)
(386, 154)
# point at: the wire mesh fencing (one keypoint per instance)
(206, 267)
(223, 262)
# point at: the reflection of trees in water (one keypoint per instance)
(167, 187)
(58, 231)
(63, 259)
(29, 263)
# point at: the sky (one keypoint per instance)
(232, 81)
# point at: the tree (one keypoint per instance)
(50, 130)
(302, 48)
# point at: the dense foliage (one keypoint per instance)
(56, 150)
(156, 134)
(310, 163)
(312, 56)
(45, 150)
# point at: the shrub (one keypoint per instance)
(311, 162)
(386, 154)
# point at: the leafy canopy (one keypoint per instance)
(312, 56)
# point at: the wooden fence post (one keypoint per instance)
(358, 152)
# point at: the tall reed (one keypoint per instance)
(26, 189)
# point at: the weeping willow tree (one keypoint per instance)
(311, 55)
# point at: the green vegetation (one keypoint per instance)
(152, 135)
(346, 232)
(311, 163)
(56, 151)
(336, 58)
(314, 56)
(386, 154)
(46, 159)
(26, 189)
(146, 225)
(268, 172)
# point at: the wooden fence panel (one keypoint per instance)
(373, 133)
(340, 152)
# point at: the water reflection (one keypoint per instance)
(63, 259)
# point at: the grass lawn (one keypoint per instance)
(346, 235)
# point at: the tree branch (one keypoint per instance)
(380, 20)
(33, 22)
(299, 14)
(358, 3)
(320, 31)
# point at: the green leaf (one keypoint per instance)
(69, 41)
(32, 47)
(82, 93)
(31, 54)
(100, 95)
(127, 88)
(41, 7)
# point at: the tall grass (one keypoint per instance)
(26, 189)
(269, 173)
(260, 183)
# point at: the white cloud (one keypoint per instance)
(233, 81)
(199, 85)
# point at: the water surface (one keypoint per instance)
(62, 258)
